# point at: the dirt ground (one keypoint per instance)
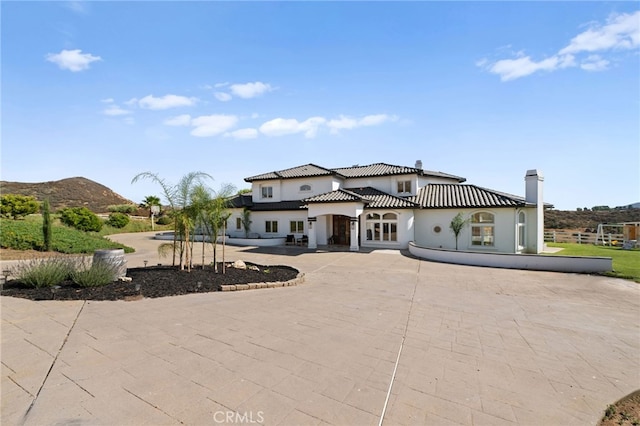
(625, 412)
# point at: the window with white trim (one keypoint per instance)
(521, 230)
(381, 227)
(296, 226)
(404, 187)
(266, 191)
(271, 226)
(482, 229)
(305, 188)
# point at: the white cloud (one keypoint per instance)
(165, 102)
(107, 100)
(180, 120)
(218, 85)
(510, 69)
(115, 110)
(129, 120)
(247, 133)
(72, 60)
(622, 32)
(287, 126)
(222, 97)
(250, 90)
(131, 101)
(594, 63)
(347, 123)
(212, 125)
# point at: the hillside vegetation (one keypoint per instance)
(560, 219)
(71, 192)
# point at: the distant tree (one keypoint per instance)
(17, 206)
(579, 209)
(244, 191)
(46, 225)
(457, 223)
(600, 208)
(122, 208)
(150, 201)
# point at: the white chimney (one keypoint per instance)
(419, 164)
(533, 197)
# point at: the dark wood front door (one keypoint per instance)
(341, 230)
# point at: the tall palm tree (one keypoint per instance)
(179, 198)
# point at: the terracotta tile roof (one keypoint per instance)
(308, 170)
(372, 170)
(443, 196)
(372, 197)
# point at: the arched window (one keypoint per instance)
(482, 229)
(381, 227)
(305, 188)
(521, 231)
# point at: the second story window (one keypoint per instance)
(304, 188)
(404, 187)
(267, 191)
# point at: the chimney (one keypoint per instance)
(419, 164)
(533, 197)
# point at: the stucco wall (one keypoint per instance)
(426, 220)
(258, 223)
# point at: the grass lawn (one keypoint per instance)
(626, 263)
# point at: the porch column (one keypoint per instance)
(354, 234)
(313, 244)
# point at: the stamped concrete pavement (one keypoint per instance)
(367, 335)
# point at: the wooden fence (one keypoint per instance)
(583, 238)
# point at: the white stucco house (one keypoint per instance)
(386, 206)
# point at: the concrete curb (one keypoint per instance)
(299, 279)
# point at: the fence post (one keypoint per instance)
(609, 239)
(554, 236)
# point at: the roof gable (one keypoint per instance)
(308, 170)
(372, 197)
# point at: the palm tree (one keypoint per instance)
(150, 201)
(456, 225)
(212, 214)
(179, 198)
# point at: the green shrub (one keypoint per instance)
(123, 208)
(81, 218)
(43, 272)
(15, 206)
(118, 220)
(164, 220)
(98, 274)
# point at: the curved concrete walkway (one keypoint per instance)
(455, 344)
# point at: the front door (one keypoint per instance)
(341, 230)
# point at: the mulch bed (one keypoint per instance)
(155, 281)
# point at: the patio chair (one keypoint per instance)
(291, 239)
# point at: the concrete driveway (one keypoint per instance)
(368, 336)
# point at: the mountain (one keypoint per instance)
(70, 192)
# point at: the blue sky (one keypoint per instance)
(484, 90)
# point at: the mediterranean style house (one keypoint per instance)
(386, 206)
